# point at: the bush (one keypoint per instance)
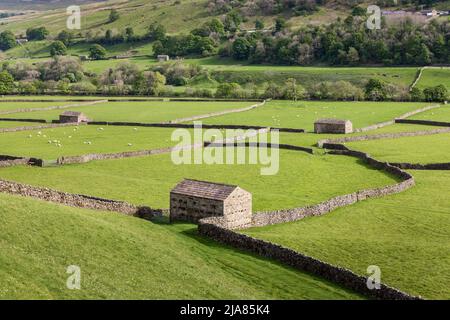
(97, 52)
(39, 33)
(438, 93)
(7, 40)
(6, 82)
(58, 48)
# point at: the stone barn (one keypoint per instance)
(333, 126)
(192, 200)
(163, 58)
(72, 117)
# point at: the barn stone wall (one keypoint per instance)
(238, 209)
(192, 209)
(346, 127)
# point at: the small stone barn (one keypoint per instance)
(72, 117)
(192, 200)
(163, 58)
(333, 126)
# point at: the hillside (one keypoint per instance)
(128, 258)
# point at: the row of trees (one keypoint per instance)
(66, 75)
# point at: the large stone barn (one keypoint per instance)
(72, 117)
(333, 126)
(192, 200)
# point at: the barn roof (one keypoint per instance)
(332, 121)
(204, 189)
(71, 113)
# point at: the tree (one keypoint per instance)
(7, 40)
(232, 21)
(129, 34)
(58, 48)
(156, 32)
(150, 83)
(97, 52)
(240, 49)
(293, 91)
(375, 90)
(6, 82)
(438, 93)
(39, 33)
(259, 24)
(113, 15)
(65, 37)
(227, 90)
(280, 24)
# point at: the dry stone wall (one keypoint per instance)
(213, 228)
(37, 127)
(424, 122)
(76, 200)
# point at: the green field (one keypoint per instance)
(146, 111)
(441, 114)
(11, 106)
(148, 180)
(70, 141)
(303, 114)
(434, 76)
(406, 235)
(127, 258)
(422, 149)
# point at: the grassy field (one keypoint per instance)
(406, 235)
(147, 111)
(127, 258)
(303, 114)
(441, 114)
(148, 180)
(69, 141)
(11, 106)
(434, 76)
(422, 149)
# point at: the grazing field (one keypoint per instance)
(421, 149)
(11, 106)
(146, 111)
(440, 114)
(406, 235)
(78, 140)
(148, 180)
(127, 258)
(302, 114)
(435, 76)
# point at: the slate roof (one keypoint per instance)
(204, 189)
(332, 121)
(72, 113)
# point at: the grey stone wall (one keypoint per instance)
(424, 122)
(214, 229)
(337, 128)
(76, 200)
(37, 127)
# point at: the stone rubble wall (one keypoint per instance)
(214, 229)
(419, 166)
(391, 122)
(81, 104)
(9, 161)
(261, 145)
(77, 200)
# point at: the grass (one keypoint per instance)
(123, 257)
(421, 149)
(440, 114)
(406, 235)
(148, 180)
(83, 140)
(303, 114)
(14, 124)
(11, 106)
(434, 76)
(147, 111)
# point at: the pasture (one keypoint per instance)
(145, 111)
(302, 114)
(404, 234)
